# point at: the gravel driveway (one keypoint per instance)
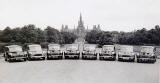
(78, 71)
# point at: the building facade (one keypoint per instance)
(80, 31)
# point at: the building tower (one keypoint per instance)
(81, 32)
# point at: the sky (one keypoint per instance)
(112, 15)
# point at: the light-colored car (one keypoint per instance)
(157, 52)
(72, 51)
(14, 52)
(147, 54)
(125, 53)
(89, 51)
(54, 52)
(34, 51)
(108, 53)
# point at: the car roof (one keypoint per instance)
(34, 45)
(148, 46)
(53, 45)
(108, 45)
(13, 46)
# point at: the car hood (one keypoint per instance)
(17, 53)
(35, 52)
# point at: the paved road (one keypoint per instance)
(78, 71)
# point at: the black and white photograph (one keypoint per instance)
(79, 41)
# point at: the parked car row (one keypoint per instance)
(108, 52)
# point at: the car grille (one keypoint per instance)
(38, 55)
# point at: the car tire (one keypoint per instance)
(48, 58)
(29, 59)
(5, 59)
(24, 59)
(61, 57)
(65, 57)
(9, 60)
(100, 58)
(43, 58)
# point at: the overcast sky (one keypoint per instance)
(120, 15)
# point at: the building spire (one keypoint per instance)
(80, 22)
(80, 17)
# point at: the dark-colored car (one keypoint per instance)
(54, 52)
(14, 52)
(146, 54)
(72, 51)
(108, 53)
(89, 52)
(34, 51)
(125, 53)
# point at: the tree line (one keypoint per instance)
(32, 34)
(138, 37)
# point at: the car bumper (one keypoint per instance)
(126, 58)
(146, 60)
(54, 56)
(37, 57)
(71, 56)
(94, 57)
(18, 58)
(107, 57)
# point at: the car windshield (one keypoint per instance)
(147, 49)
(108, 48)
(72, 47)
(90, 47)
(35, 48)
(126, 49)
(54, 47)
(15, 49)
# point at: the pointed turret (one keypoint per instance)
(80, 22)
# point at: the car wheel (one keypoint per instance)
(29, 59)
(5, 59)
(48, 58)
(43, 58)
(119, 59)
(65, 57)
(100, 58)
(9, 60)
(24, 59)
(61, 57)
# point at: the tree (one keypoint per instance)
(6, 35)
(52, 35)
(105, 38)
(68, 38)
(31, 34)
(93, 37)
(101, 38)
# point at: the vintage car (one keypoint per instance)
(146, 54)
(72, 51)
(125, 53)
(34, 51)
(157, 52)
(108, 53)
(54, 52)
(14, 52)
(89, 52)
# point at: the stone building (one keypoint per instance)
(80, 30)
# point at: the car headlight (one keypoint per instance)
(77, 51)
(48, 52)
(10, 54)
(119, 53)
(137, 54)
(113, 52)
